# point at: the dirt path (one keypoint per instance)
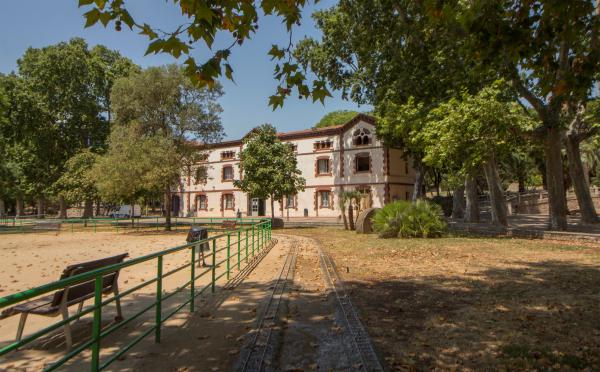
(310, 331)
(313, 335)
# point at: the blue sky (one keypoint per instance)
(38, 23)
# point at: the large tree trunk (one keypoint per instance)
(419, 180)
(168, 209)
(20, 206)
(2, 208)
(88, 209)
(97, 207)
(351, 216)
(555, 180)
(40, 207)
(472, 210)
(497, 199)
(521, 180)
(458, 203)
(582, 191)
(272, 207)
(62, 207)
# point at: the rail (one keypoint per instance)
(247, 242)
(24, 225)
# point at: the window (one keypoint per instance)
(322, 166)
(228, 201)
(227, 155)
(290, 202)
(202, 202)
(361, 137)
(323, 145)
(406, 167)
(228, 173)
(363, 163)
(325, 199)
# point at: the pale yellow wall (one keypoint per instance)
(307, 157)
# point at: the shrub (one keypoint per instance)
(405, 219)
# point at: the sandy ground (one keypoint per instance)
(473, 303)
(33, 259)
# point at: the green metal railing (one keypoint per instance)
(22, 225)
(236, 247)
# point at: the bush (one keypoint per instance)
(404, 219)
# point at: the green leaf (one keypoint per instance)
(91, 17)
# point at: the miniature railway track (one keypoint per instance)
(260, 347)
(368, 360)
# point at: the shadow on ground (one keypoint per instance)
(539, 315)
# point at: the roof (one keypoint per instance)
(306, 133)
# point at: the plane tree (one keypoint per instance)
(550, 51)
(476, 131)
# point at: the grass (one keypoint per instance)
(473, 303)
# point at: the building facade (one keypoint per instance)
(332, 160)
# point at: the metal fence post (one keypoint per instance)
(228, 253)
(253, 240)
(97, 324)
(192, 279)
(246, 258)
(214, 265)
(158, 299)
(239, 246)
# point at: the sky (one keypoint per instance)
(38, 23)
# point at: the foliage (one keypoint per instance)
(163, 101)
(135, 165)
(405, 219)
(77, 183)
(204, 20)
(336, 118)
(54, 110)
(473, 129)
(270, 166)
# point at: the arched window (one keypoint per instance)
(361, 137)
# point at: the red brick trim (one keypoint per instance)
(223, 208)
(329, 166)
(342, 155)
(363, 154)
(198, 195)
(319, 199)
(223, 173)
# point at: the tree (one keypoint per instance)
(77, 183)
(336, 118)
(204, 19)
(394, 56)
(68, 83)
(270, 167)
(550, 51)
(475, 132)
(136, 165)
(165, 103)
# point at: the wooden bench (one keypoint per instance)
(59, 302)
(228, 224)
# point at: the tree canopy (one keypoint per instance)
(336, 118)
(270, 168)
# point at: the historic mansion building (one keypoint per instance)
(333, 159)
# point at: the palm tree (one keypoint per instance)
(347, 197)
